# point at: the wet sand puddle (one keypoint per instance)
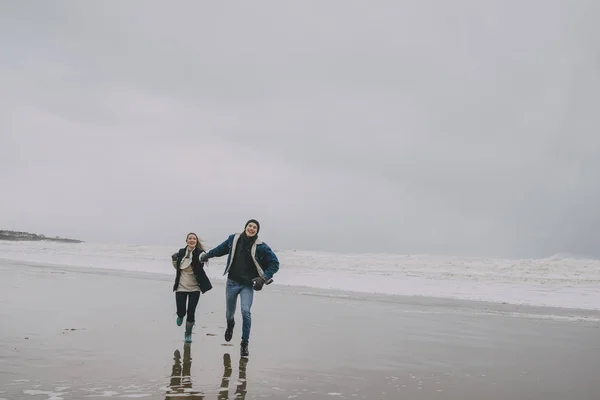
(178, 384)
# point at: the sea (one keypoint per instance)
(558, 281)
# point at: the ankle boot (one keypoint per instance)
(244, 348)
(188, 331)
(229, 330)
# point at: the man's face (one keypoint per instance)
(251, 229)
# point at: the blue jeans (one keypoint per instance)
(246, 293)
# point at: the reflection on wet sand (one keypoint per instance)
(240, 392)
(181, 381)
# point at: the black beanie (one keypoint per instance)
(257, 225)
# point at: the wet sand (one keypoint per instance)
(70, 333)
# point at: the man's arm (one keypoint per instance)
(220, 250)
(271, 261)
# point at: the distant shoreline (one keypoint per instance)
(16, 236)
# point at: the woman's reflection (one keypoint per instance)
(181, 381)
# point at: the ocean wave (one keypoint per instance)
(558, 281)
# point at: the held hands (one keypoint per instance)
(203, 257)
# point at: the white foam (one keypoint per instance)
(108, 393)
(51, 395)
(557, 281)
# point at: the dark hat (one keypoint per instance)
(257, 225)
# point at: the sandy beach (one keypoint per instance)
(73, 333)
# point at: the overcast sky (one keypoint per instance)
(465, 127)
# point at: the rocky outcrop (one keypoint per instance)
(26, 236)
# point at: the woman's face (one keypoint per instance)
(191, 240)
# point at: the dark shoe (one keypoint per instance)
(244, 349)
(229, 330)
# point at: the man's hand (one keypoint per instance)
(174, 257)
(203, 257)
(257, 283)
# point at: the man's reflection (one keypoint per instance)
(181, 382)
(240, 392)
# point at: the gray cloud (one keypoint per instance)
(458, 128)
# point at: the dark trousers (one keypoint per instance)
(192, 301)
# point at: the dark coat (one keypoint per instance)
(197, 267)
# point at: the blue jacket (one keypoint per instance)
(264, 258)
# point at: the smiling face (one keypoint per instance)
(191, 240)
(251, 229)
